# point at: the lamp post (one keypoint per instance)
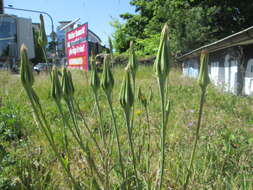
(1, 7)
(53, 35)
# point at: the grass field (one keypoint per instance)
(224, 157)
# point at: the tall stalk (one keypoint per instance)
(163, 134)
(68, 92)
(162, 66)
(42, 38)
(27, 80)
(133, 66)
(95, 84)
(107, 83)
(117, 135)
(126, 101)
(203, 81)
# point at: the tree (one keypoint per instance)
(192, 23)
(120, 37)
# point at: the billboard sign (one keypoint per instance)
(77, 47)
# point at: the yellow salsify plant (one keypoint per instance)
(126, 101)
(107, 84)
(68, 94)
(133, 66)
(95, 85)
(203, 81)
(27, 80)
(162, 68)
(56, 93)
(42, 38)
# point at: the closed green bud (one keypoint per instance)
(94, 81)
(107, 81)
(203, 78)
(66, 86)
(42, 39)
(142, 98)
(26, 72)
(56, 90)
(132, 60)
(162, 62)
(71, 84)
(126, 94)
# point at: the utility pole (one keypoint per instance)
(1, 6)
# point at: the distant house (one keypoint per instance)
(230, 65)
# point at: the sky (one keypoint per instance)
(98, 13)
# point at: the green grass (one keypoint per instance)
(224, 157)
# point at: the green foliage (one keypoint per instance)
(224, 156)
(10, 123)
(191, 23)
(120, 37)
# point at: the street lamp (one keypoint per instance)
(53, 35)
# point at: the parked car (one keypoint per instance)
(42, 67)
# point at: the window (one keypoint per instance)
(8, 33)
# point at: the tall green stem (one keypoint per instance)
(202, 99)
(49, 135)
(129, 132)
(102, 132)
(132, 119)
(163, 132)
(79, 139)
(117, 134)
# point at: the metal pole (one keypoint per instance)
(1, 7)
(41, 12)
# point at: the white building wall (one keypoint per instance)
(25, 35)
(248, 80)
(214, 73)
(231, 71)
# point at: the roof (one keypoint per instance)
(95, 35)
(63, 22)
(243, 37)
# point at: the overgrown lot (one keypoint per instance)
(224, 157)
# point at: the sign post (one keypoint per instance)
(77, 48)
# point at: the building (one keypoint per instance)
(14, 31)
(36, 26)
(61, 34)
(230, 62)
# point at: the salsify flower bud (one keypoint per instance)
(42, 39)
(71, 84)
(203, 78)
(67, 90)
(126, 93)
(26, 73)
(162, 62)
(107, 81)
(132, 60)
(56, 90)
(94, 81)
(142, 98)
